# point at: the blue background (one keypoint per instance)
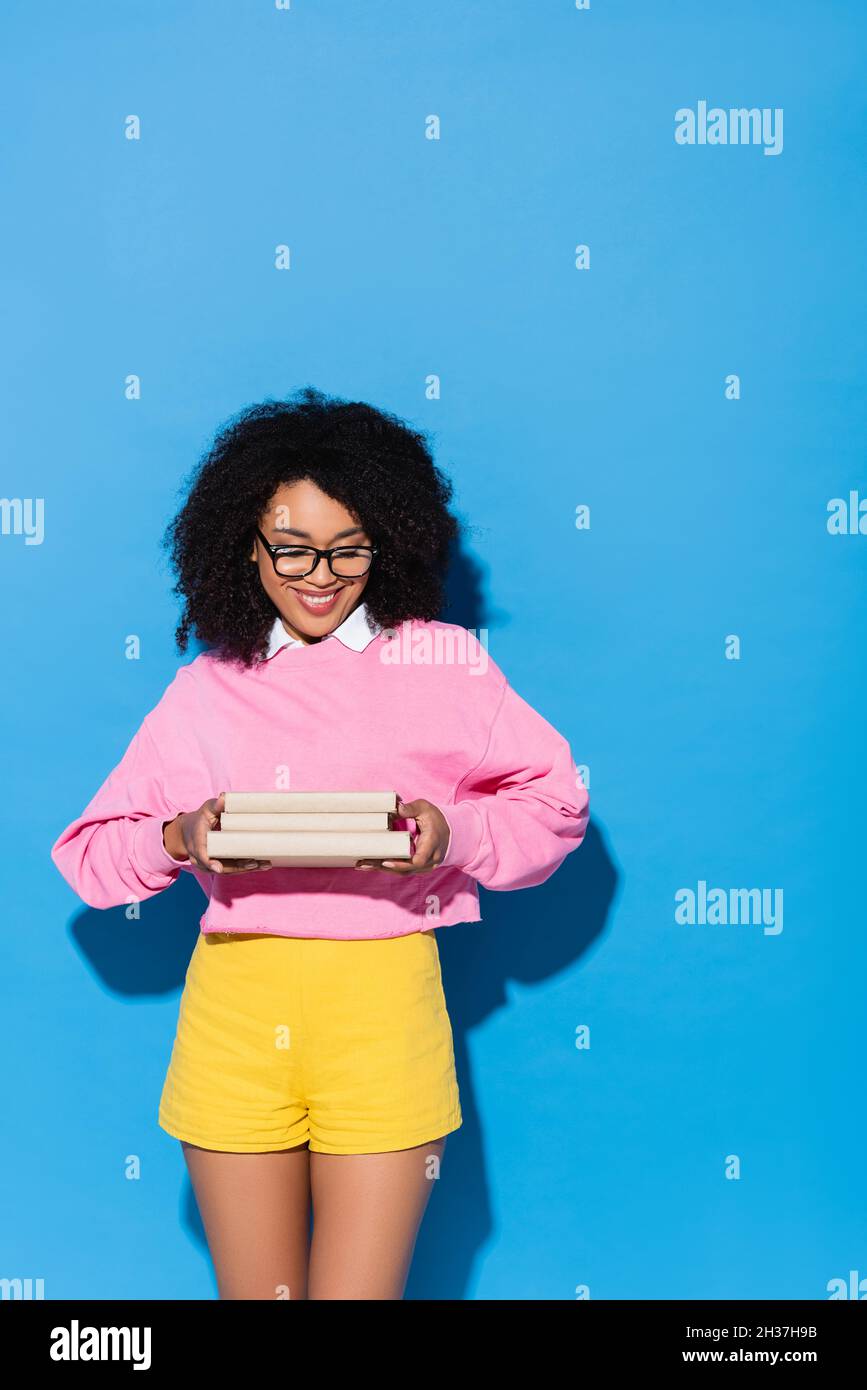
(603, 1167)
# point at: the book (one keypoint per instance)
(309, 848)
(305, 820)
(282, 802)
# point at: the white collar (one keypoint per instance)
(355, 632)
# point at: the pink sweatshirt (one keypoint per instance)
(425, 712)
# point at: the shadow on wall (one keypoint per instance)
(527, 935)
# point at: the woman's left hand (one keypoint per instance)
(430, 847)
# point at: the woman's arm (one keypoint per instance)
(114, 850)
(515, 816)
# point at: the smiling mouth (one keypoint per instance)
(315, 602)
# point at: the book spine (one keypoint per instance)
(305, 820)
(310, 801)
(265, 844)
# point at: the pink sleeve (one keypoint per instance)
(516, 815)
(113, 852)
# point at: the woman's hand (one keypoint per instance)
(185, 838)
(431, 844)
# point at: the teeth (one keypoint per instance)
(317, 602)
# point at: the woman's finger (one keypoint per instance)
(425, 845)
(200, 842)
(245, 866)
(390, 865)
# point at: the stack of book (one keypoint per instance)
(309, 829)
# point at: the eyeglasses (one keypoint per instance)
(344, 561)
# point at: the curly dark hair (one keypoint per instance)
(369, 460)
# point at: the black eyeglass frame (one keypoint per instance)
(275, 550)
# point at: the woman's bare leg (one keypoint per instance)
(367, 1210)
(255, 1208)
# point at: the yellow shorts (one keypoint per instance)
(282, 1039)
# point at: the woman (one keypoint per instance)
(313, 1059)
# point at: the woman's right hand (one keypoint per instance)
(185, 838)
